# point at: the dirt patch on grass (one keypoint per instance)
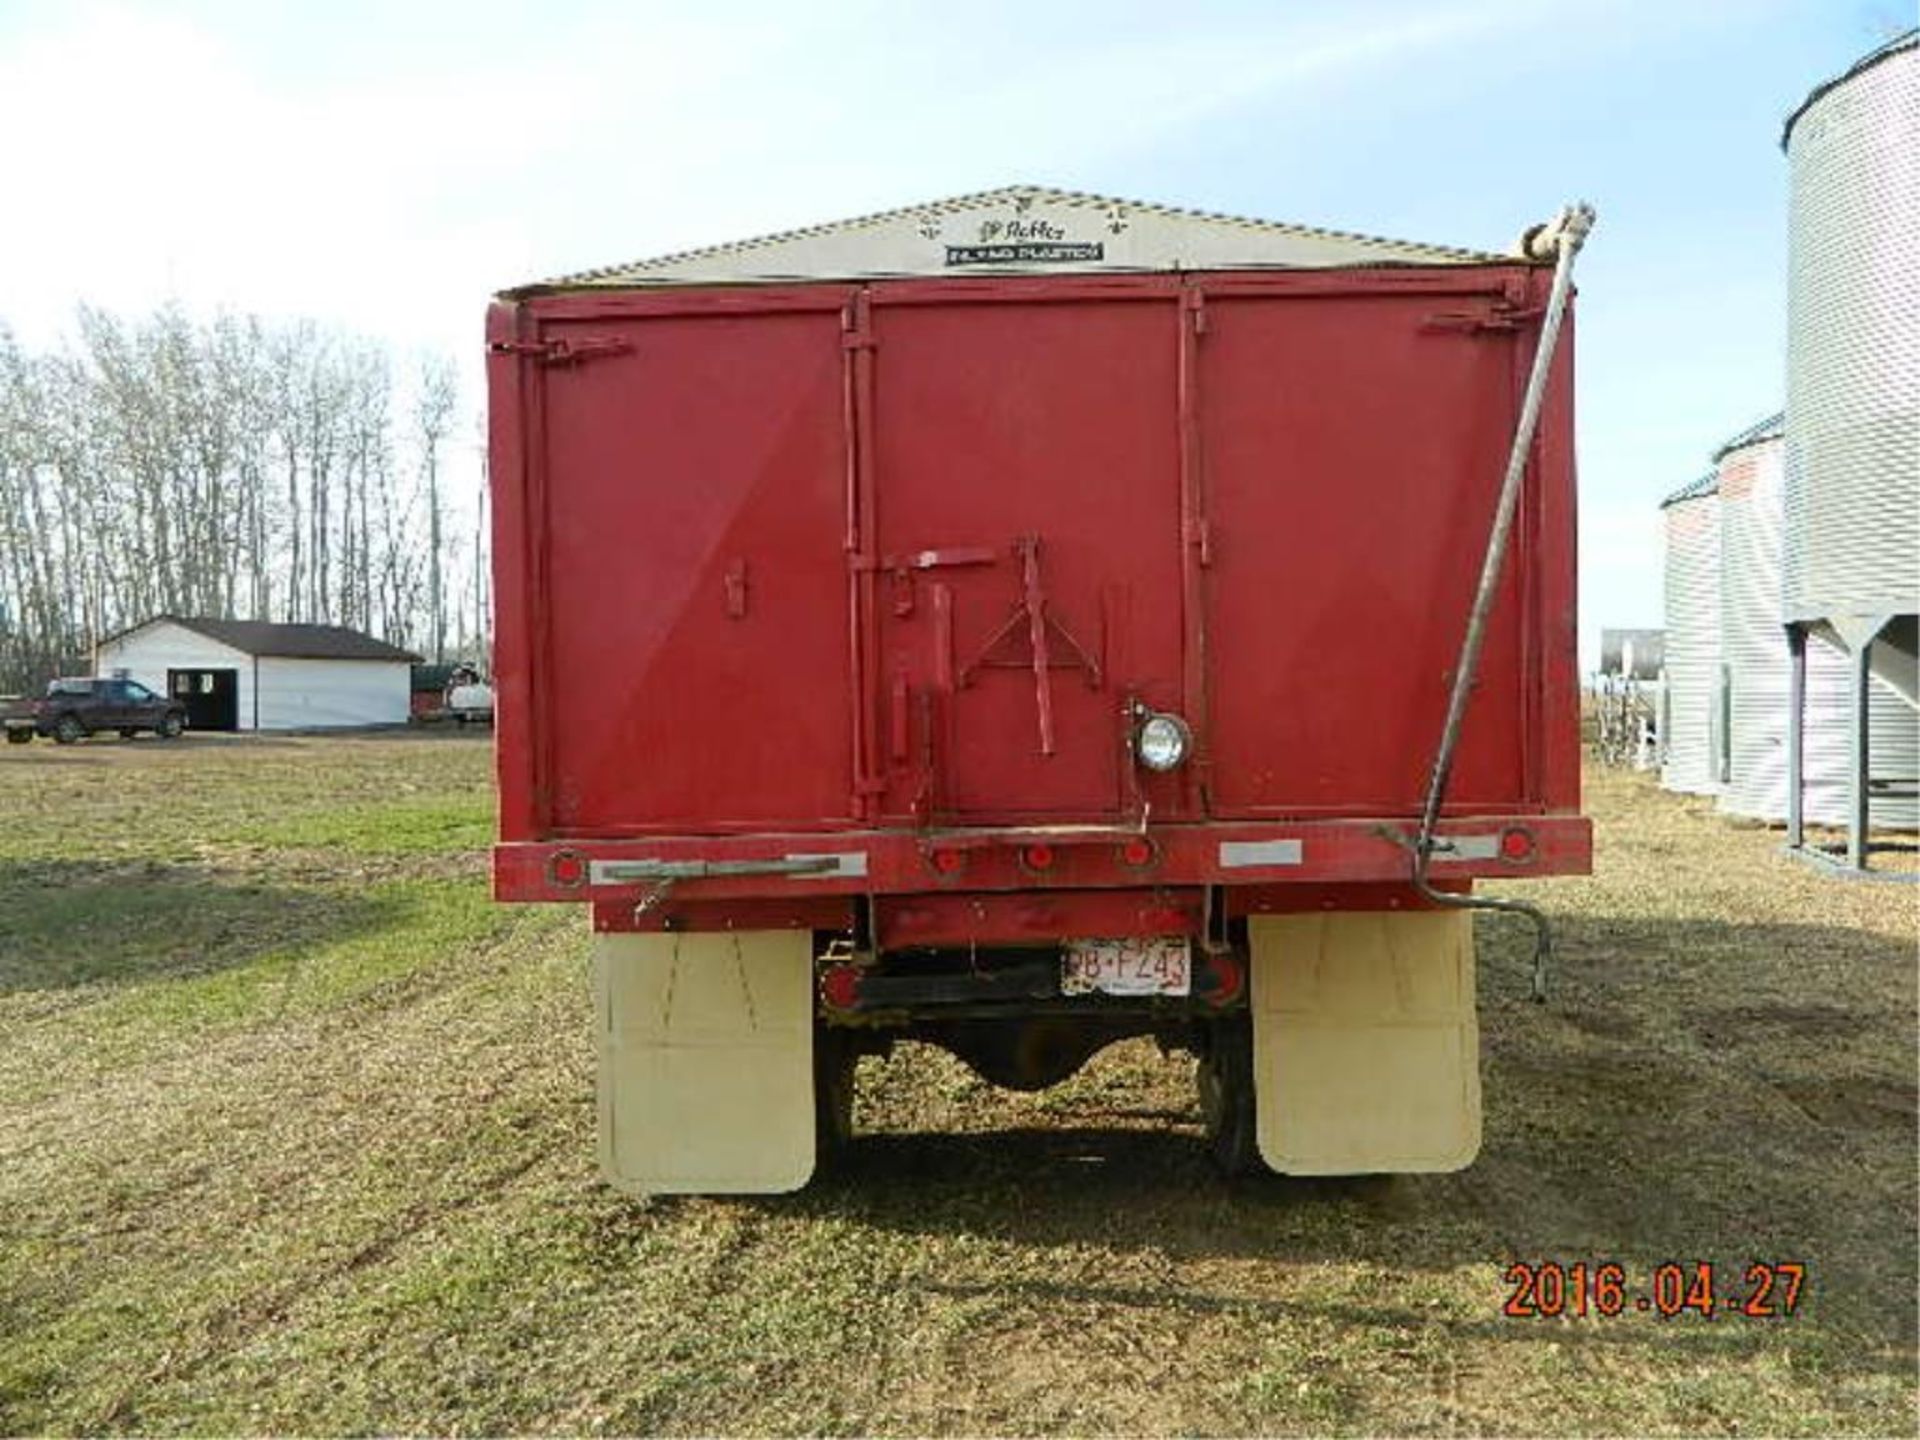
(1734, 1024)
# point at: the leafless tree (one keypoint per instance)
(435, 398)
(234, 467)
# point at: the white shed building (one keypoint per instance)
(254, 675)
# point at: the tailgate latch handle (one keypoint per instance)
(559, 350)
(901, 568)
(1033, 614)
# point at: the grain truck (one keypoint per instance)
(1028, 621)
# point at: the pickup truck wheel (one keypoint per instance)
(1225, 1080)
(127, 732)
(68, 729)
(18, 735)
(170, 727)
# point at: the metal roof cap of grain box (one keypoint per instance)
(1015, 230)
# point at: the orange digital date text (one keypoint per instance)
(1551, 1289)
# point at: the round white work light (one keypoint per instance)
(1162, 742)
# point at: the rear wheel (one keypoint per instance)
(127, 732)
(68, 729)
(170, 726)
(1225, 1079)
(834, 1062)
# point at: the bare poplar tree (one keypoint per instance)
(433, 406)
(231, 468)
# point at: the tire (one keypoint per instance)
(68, 729)
(170, 726)
(834, 1062)
(1224, 1077)
(19, 735)
(127, 732)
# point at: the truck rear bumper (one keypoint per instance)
(798, 867)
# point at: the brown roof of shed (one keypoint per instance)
(290, 642)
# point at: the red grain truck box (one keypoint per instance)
(1028, 621)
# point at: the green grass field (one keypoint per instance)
(296, 1135)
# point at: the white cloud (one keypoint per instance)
(391, 187)
(161, 158)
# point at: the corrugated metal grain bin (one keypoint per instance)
(1853, 355)
(1754, 660)
(1690, 728)
(1753, 650)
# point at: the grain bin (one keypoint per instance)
(1853, 348)
(1690, 722)
(1755, 662)
(1852, 482)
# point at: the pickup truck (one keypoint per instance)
(468, 697)
(74, 708)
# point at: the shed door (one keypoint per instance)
(1026, 468)
(212, 697)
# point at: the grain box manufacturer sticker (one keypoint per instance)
(1024, 239)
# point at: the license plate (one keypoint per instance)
(1159, 966)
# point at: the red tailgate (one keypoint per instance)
(1355, 441)
(692, 656)
(904, 555)
(1028, 474)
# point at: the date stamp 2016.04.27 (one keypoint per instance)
(1670, 1290)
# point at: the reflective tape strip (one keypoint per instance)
(797, 867)
(1466, 847)
(847, 863)
(1241, 854)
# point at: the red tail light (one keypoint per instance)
(1516, 844)
(840, 987)
(1222, 978)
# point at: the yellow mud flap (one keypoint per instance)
(706, 1061)
(1366, 1042)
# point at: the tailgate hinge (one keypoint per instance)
(1194, 302)
(1502, 315)
(1200, 536)
(856, 324)
(561, 351)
